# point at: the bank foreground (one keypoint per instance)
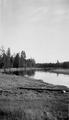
(19, 103)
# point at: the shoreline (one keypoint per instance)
(28, 81)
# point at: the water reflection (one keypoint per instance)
(57, 74)
(25, 72)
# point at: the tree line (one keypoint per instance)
(7, 60)
(19, 60)
(64, 65)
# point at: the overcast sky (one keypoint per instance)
(40, 27)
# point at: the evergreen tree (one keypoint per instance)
(23, 59)
(16, 61)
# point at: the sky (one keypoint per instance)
(40, 27)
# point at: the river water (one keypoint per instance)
(52, 78)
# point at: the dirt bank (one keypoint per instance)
(19, 103)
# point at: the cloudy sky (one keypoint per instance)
(40, 27)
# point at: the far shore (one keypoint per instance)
(22, 69)
(60, 71)
(53, 70)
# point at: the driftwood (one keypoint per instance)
(44, 89)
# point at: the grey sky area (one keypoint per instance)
(40, 27)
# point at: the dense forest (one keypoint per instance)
(7, 60)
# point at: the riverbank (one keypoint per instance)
(60, 71)
(31, 104)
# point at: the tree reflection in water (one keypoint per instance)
(25, 72)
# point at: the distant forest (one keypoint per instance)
(64, 65)
(7, 60)
(19, 60)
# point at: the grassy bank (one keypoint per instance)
(17, 103)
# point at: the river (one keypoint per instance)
(52, 78)
(48, 77)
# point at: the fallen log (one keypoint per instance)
(44, 89)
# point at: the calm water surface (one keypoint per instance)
(53, 78)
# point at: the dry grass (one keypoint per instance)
(20, 104)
